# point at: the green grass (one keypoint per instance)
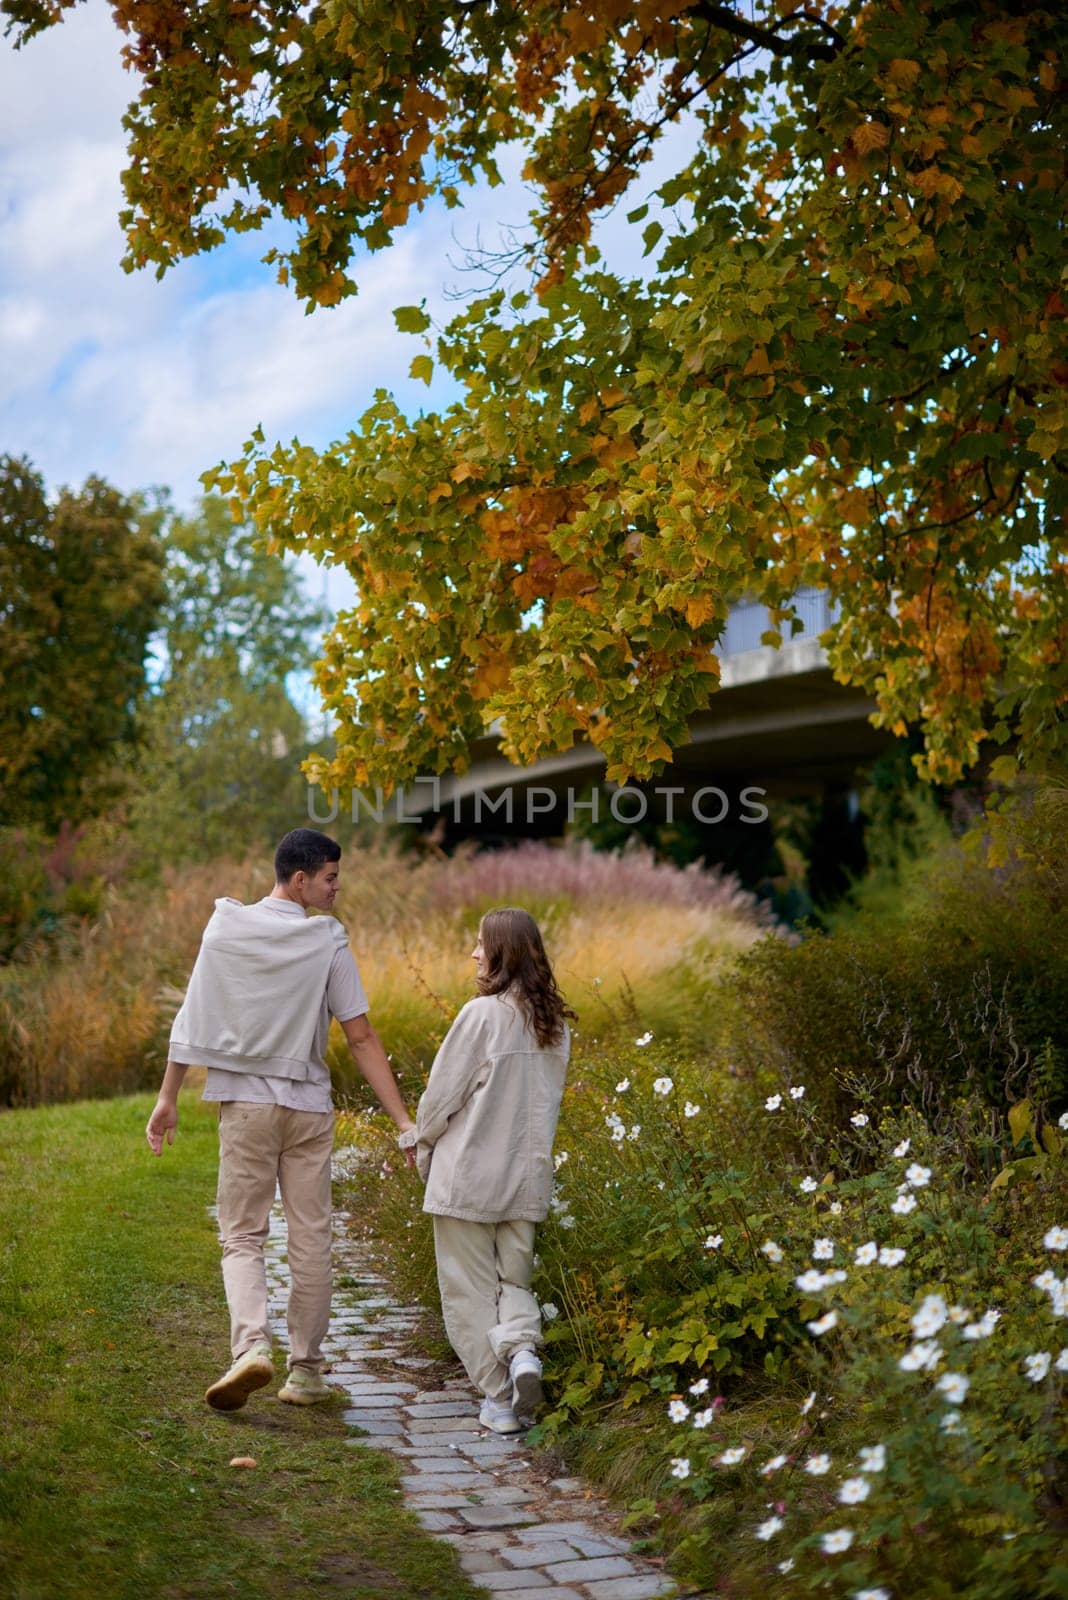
(114, 1474)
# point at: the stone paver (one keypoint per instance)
(520, 1533)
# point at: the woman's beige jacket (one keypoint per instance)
(487, 1119)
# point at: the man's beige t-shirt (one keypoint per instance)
(344, 997)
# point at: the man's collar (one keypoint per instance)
(283, 905)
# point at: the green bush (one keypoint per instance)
(967, 995)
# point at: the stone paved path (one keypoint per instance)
(521, 1535)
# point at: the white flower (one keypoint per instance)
(619, 1133)
(917, 1176)
(807, 1185)
(872, 1457)
(806, 1405)
(700, 1387)
(1061, 1363)
(558, 1160)
(678, 1411)
(645, 1039)
(954, 1385)
(1045, 1279)
(662, 1086)
(772, 1250)
(812, 1281)
(622, 1086)
(773, 1465)
(859, 1119)
(1036, 1366)
(866, 1253)
(853, 1491)
(680, 1467)
(787, 1565)
(833, 1543)
(929, 1317)
(731, 1457)
(690, 1110)
(904, 1204)
(984, 1327)
(871, 1594)
(1056, 1239)
(952, 1422)
(636, 1129)
(713, 1241)
(1062, 1120)
(922, 1357)
(902, 1149)
(566, 1221)
(818, 1465)
(773, 1102)
(701, 1419)
(891, 1256)
(549, 1311)
(797, 1092)
(823, 1324)
(823, 1249)
(959, 1314)
(835, 1208)
(767, 1529)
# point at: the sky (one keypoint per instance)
(150, 382)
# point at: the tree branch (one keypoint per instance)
(730, 21)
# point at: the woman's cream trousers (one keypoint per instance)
(484, 1273)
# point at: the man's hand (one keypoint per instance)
(163, 1121)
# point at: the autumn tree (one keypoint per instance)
(80, 592)
(845, 365)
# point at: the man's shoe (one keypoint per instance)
(499, 1417)
(524, 1369)
(304, 1388)
(248, 1373)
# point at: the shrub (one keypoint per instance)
(965, 996)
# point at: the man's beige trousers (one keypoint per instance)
(259, 1147)
(484, 1273)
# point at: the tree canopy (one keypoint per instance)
(80, 592)
(845, 363)
(222, 736)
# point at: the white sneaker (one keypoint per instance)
(524, 1369)
(499, 1417)
(248, 1373)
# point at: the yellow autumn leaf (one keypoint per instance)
(869, 136)
(440, 491)
(903, 73)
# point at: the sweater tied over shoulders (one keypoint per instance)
(255, 992)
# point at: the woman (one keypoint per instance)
(484, 1136)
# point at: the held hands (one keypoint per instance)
(162, 1122)
(406, 1142)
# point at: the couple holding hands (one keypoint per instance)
(267, 980)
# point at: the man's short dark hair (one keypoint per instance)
(304, 850)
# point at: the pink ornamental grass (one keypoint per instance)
(581, 874)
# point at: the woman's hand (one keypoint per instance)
(406, 1140)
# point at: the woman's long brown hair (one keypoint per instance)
(515, 959)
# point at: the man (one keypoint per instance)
(257, 1014)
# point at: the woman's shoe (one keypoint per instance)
(499, 1417)
(524, 1370)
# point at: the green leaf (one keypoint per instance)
(1021, 1121)
(411, 319)
(422, 367)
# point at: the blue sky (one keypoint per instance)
(149, 382)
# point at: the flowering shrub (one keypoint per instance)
(837, 1355)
